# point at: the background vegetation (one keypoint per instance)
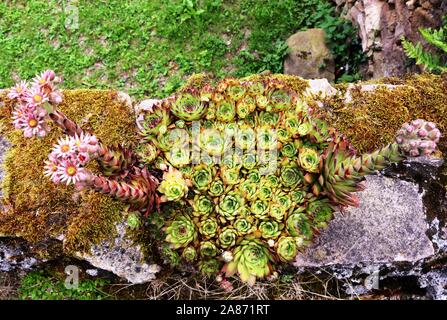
(148, 48)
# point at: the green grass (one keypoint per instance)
(148, 48)
(39, 285)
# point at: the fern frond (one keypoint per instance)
(431, 62)
(435, 37)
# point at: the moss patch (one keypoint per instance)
(34, 207)
(372, 118)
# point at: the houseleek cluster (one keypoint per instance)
(266, 172)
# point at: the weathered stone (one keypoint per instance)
(122, 257)
(309, 56)
(381, 26)
(389, 218)
(398, 231)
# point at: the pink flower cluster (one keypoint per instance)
(69, 156)
(30, 113)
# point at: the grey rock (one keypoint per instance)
(309, 56)
(122, 257)
(15, 254)
(390, 218)
(398, 231)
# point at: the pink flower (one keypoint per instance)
(51, 170)
(65, 148)
(87, 143)
(70, 172)
(36, 96)
(83, 157)
(19, 91)
(31, 124)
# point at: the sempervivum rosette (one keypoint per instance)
(208, 249)
(188, 107)
(270, 229)
(202, 177)
(252, 260)
(181, 232)
(230, 205)
(244, 226)
(173, 186)
(217, 188)
(227, 237)
(309, 159)
(202, 205)
(286, 248)
(189, 254)
(208, 228)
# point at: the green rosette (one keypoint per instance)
(270, 229)
(286, 248)
(147, 152)
(284, 201)
(207, 249)
(230, 176)
(283, 135)
(181, 232)
(245, 138)
(188, 107)
(251, 260)
(290, 176)
(243, 226)
(277, 212)
(280, 100)
(212, 142)
(155, 121)
(305, 128)
(202, 177)
(298, 225)
(178, 157)
(209, 267)
(227, 237)
(216, 189)
(229, 205)
(173, 186)
(297, 196)
(309, 159)
(248, 190)
(268, 119)
(266, 139)
(322, 212)
(208, 228)
(202, 205)
(271, 180)
(264, 192)
(249, 161)
(254, 176)
(259, 209)
(289, 150)
(225, 111)
(245, 106)
(189, 254)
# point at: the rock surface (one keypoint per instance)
(309, 56)
(398, 230)
(381, 25)
(122, 257)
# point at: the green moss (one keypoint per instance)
(372, 118)
(34, 207)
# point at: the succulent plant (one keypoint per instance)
(286, 248)
(208, 249)
(252, 260)
(189, 254)
(173, 186)
(259, 170)
(181, 232)
(209, 267)
(188, 107)
(270, 229)
(202, 177)
(208, 228)
(227, 237)
(417, 138)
